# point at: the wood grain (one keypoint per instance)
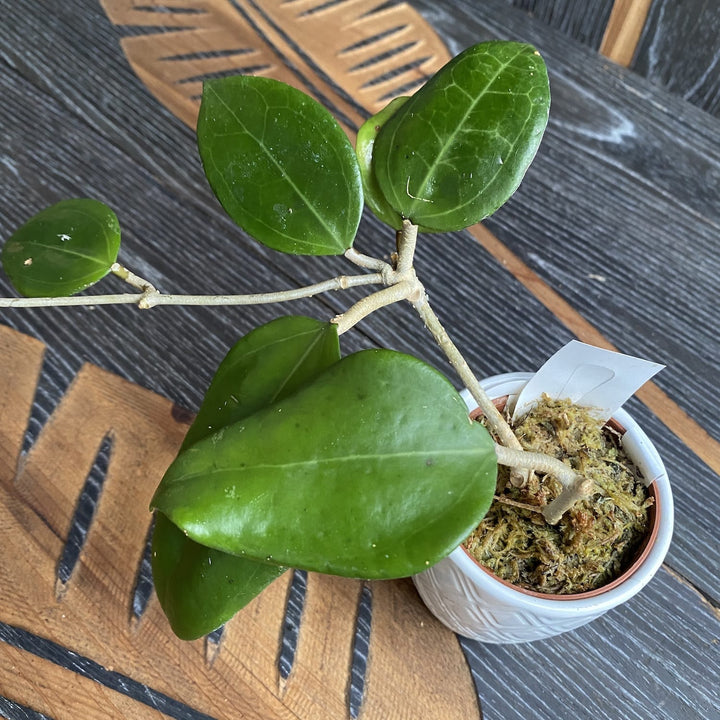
(582, 21)
(687, 429)
(351, 55)
(61, 693)
(680, 51)
(23, 360)
(623, 30)
(623, 665)
(626, 170)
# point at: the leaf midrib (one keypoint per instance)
(440, 155)
(284, 174)
(65, 251)
(340, 459)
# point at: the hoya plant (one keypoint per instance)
(363, 465)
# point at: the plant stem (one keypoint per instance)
(151, 297)
(338, 283)
(361, 309)
(581, 488)
(494, 417)
(575, 486)
(406, 241)
(536, 461)
(402, 284)
(511, 453)
(366, 261)
(84, 300)
(132, 279)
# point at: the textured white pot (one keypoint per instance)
(476, 604)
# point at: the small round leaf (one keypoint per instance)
(367, 133)
(63, 249)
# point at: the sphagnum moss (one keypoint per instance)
(596, 540)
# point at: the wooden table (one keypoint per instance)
(612, 238)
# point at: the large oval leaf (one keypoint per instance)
(280, 165)
(63, 249)
(373, 470)
(458, 149)
(200, 588)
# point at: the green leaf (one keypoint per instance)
(458, 149)
(374, 470)
(367, 133)
(200, 588)
(63, 249)
(266, 365)
(280, 165)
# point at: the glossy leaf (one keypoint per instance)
(367, 133)
(280, 165)
(266, 365)
(63, 249)
(201, 588)
(373, 470)
(458, 149)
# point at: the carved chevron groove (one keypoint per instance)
(352, 55)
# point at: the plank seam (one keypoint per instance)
(706, 600)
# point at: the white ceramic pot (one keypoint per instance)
(476, 604)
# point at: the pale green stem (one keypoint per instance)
(361, 309)
(536, 461)
(580, 489)
(75, 300)
(132, 279)
(494, 417)
(407, 239)
(365, 261)
(152, 297)
(575, 486)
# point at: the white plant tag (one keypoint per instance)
(589, 376)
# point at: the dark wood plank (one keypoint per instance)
(680, 50)
(582, 21)
(619, 666)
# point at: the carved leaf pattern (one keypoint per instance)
(351, 55)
